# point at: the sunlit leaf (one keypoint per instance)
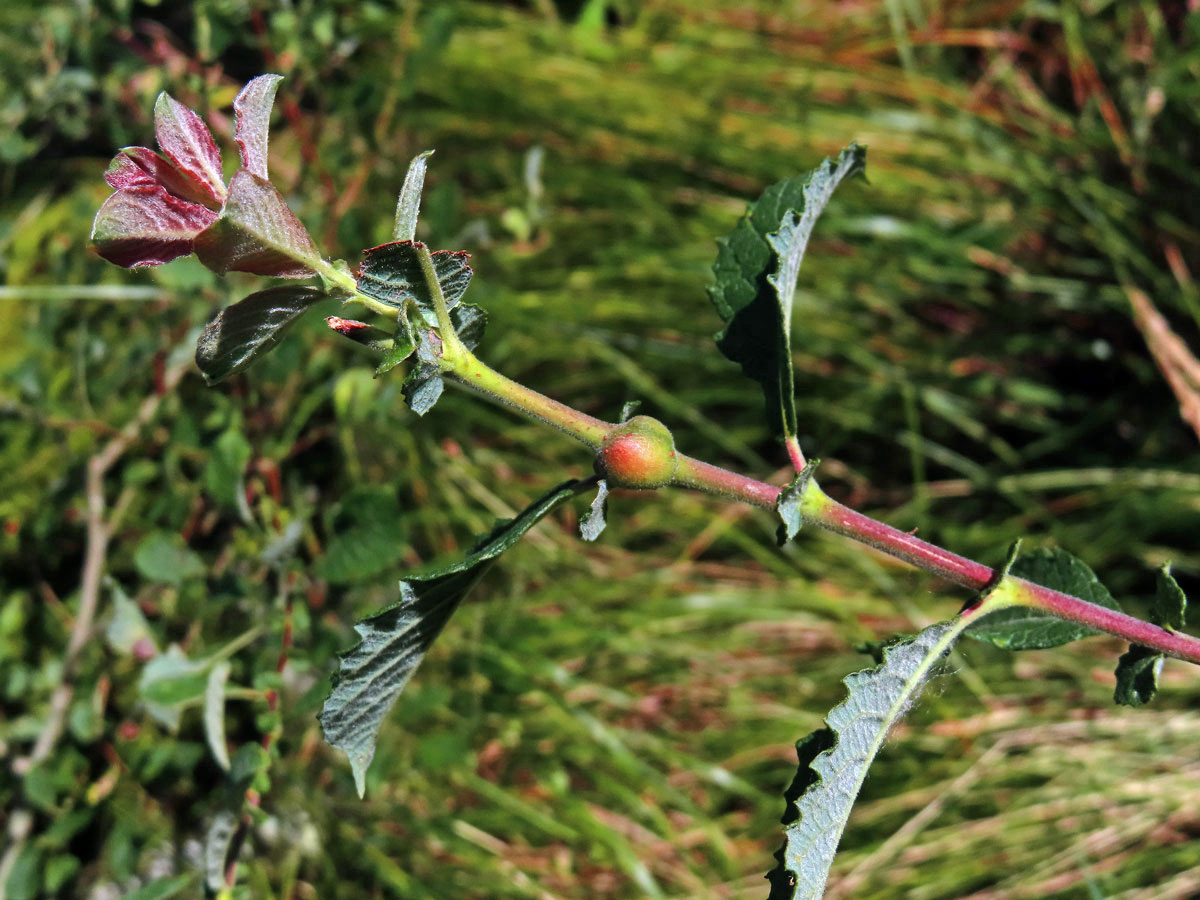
(257, 233)
(214, 713)
(755, 279)
(408, 205)
(146, 226)
(169, 683)
(161, 888)
(187, 142)
(835, 760)
(243, 332)
(252, 120)
(1170, 603)
(789, 502)
(217, 840)
(394, 642)
(128, 632)
(1023, 628)
(404, 344)
(592, 525)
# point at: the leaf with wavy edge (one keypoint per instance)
(756, 306)
(394, 641)
(830, 777)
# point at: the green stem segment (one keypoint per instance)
(332, 275)
(464, 368)
(451, 345)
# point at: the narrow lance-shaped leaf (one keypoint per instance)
(252, 120)
(217, 841)
(187, 142)
(257, 233)
(408, 206)
(756, 303)
(214, 713)
(394, 642)
(369, 336)
(243, 332)
(834, 761)
(1024, 628)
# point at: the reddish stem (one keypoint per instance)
(818, 509)
(973, 575)
(795, 454)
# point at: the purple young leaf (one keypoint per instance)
(187, 142)
(143, 225)
(257, 233)
(133, 167)
(252, 111)
(142, 167)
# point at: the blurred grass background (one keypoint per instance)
(616, 719)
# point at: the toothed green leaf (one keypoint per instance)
(243, 332)
(755, 279)
(394, 641)
(392, 274)
(834, 761)
(1139, 667)
(1023, 628)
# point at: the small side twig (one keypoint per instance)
(100, 527)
